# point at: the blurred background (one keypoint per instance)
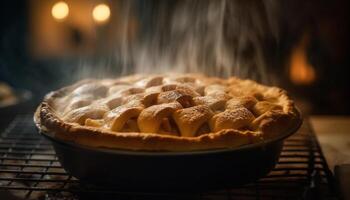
(298, 45)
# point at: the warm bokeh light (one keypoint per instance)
(301, 72)
(60, 10)
(101, 13)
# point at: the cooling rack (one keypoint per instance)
(29, 169)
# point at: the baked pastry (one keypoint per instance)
(7, 96)
(166, 113)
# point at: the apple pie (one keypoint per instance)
(173, 112)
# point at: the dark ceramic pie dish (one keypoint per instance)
(167, 171)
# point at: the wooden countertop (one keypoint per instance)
(333, 133)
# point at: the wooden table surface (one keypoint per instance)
(333, 133)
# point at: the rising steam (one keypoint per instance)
(220, 38)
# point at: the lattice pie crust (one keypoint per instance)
(166, 112)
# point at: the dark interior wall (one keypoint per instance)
(326, 23)
(328, 51)
(17, 68)
(13, 31)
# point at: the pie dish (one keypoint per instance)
(174, 112)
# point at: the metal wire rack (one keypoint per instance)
(29, 169)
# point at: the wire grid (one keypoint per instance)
(29, 169)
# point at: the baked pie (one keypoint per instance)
(7, 95)
(166, 113)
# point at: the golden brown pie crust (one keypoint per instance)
(166, 113)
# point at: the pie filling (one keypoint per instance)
(177, 105)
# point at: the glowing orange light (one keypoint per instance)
(101, 13)
(300, 71)
(60, 10)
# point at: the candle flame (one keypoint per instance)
(301, 72)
